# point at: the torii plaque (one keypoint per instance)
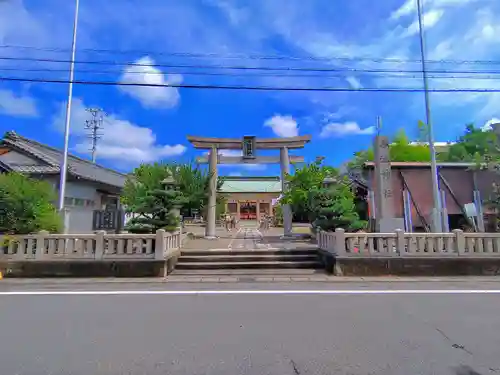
(249, 146)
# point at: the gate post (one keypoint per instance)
(212, 198)
(160, 244)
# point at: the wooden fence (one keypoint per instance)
(100, 246)
(456, 243)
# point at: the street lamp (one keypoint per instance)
(64, 162)
(436, 212)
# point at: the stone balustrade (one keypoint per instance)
(401, 244)
(99, 246)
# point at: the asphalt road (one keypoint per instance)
(224, 333)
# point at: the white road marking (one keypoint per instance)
(247, 292)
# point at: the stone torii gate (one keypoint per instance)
(249, 146)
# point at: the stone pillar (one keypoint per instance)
(238, 208)
(287, 210)
(257, 210)
(212, 197)
(385, 220)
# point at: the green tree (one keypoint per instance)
(26, 205)
(192, 183)
(494, 203)
(475, 145)
(327, 206)
(305, 180)
(423, 131)
(400, 150)
(155, 210)
(144, 179)
(335, 207)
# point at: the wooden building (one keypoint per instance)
(249, 198)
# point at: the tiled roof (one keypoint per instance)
(76, 166)
(34, 168)
(251, 185)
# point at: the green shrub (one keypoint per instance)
(26, 205)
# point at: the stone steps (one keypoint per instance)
(250, 252)
(286, 272)
(249, 260)
(238, 258)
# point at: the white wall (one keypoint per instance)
(82, 190)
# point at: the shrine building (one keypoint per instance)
(249, 198)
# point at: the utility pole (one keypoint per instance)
(379, 125)
(64, 162)
(436, 212)
(94, 124)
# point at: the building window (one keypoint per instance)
(78, 202)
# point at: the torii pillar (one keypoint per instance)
(249, 145)
(286, 208)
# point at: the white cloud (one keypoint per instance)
(488, 125)
(256, 167)
(283, 126)
(143, 72)
(410, 8)
(354, 82)
(17, 105)
(235, 174)
(18, 25)
(121, 141)
(230, 152)
(337, 129)
(429, 20)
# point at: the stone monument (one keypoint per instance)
(385, 220)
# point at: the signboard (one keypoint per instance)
(249, 147)
(470, 210)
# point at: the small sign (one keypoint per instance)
(470, 210)
(249, 147)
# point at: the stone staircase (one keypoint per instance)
(253, 261)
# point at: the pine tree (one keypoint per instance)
(155, 211)
(334, 207)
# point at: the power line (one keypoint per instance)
(254, 56)
(339, 74)
(251, 68)
(256, 88)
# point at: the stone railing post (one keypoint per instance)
(40, 244)
(459, 241)
(400, 242)
(99, 245)
(339, 248)
(160, 244)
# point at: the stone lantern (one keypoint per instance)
(171, 185)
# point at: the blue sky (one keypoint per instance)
(149, 124)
